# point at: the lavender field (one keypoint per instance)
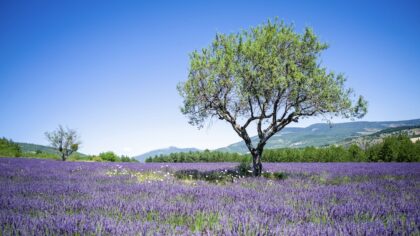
(41, 197)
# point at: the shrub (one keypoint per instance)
(274, 175)
(97, 159)
(244, 168)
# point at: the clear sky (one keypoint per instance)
(109, 69)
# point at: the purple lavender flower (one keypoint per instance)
(42, 197)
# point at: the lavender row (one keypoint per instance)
(39, 197)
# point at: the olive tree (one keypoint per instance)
(264, 78)
(65, 141)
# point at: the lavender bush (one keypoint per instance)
(42, 197)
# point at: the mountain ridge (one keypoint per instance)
(163, 151)
(321, 134)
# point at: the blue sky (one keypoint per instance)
(109, 69)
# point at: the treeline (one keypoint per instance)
(205, 156)
(8, 148)
(392, 149)
(111, 157)
(395, 148)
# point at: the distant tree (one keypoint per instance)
(389, 149)
(406, 149)
(109, 156)
(127, 159)
(417, 150)
(66, 141)
(268, 76)
(373, 152)
(355, 153)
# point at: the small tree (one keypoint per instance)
(66, 141)
(268, 76)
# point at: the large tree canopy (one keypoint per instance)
(268, 75)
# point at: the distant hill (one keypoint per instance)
(29, 147)
(163, 151)
(413, 132)
(322, 134)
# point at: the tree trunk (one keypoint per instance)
(256, 162)
(63, 157)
